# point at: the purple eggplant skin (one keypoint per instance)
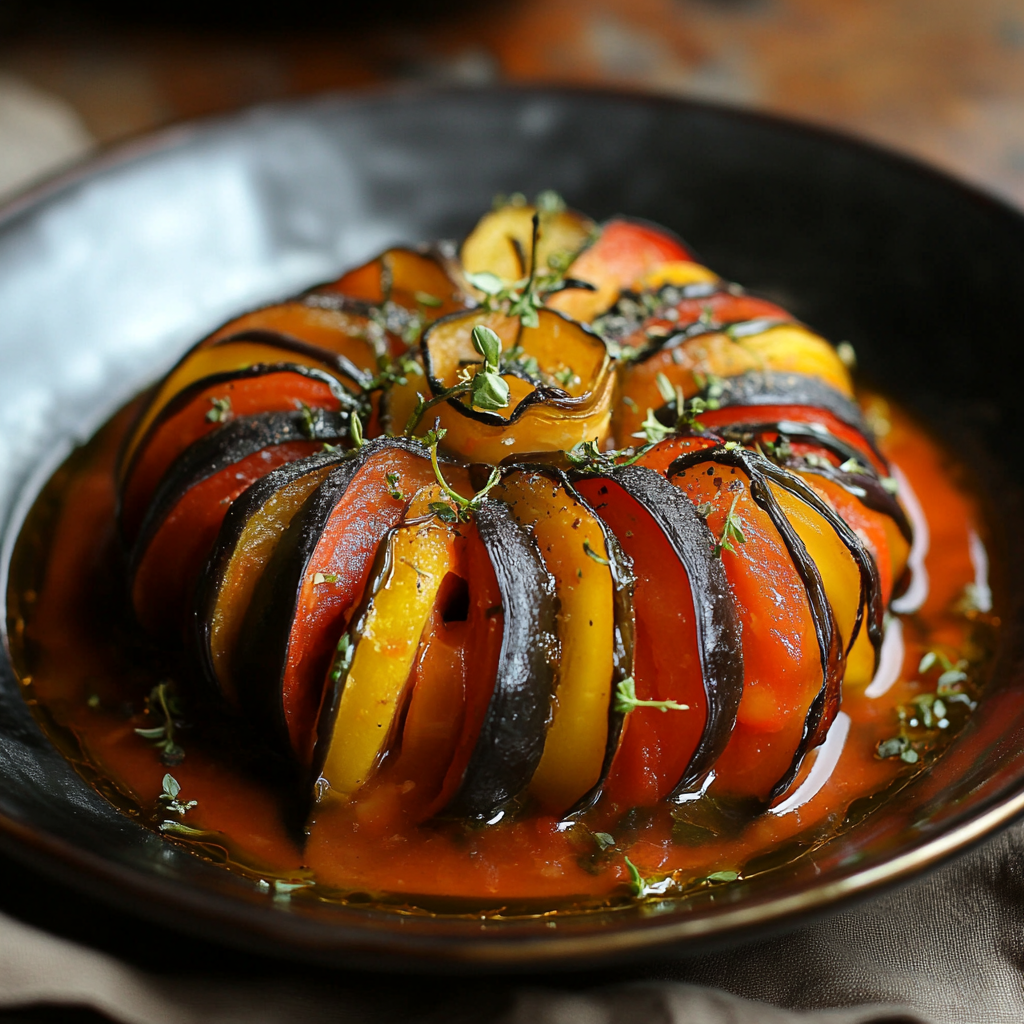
(515, 725)
(262, 650)
(760, 473)
(758, 388)
(230, 443)
(248, 504)
(624, 627)
(187, 395)
(718, 626)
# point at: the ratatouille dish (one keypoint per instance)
(549, 572)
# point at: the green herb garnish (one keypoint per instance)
(732, 530)
(637, 883)
(162, 703)
(626, 700)
(343, 655)
(461, 507)
(355, 430)
(591, 553)
(170, 797)
(221, 409)
(393, 488)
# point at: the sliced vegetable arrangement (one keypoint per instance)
(563, 522)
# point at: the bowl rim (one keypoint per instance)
(249, 926)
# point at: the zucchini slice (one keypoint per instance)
(560, 377)
(502, 241)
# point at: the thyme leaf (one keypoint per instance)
(626, 700)
(162, 703)
(343, 655)
(220, 411)
(170, 797)
(637, 882)
(462, 507)
(588, 458)
(732, 530)
(355, 430)
(393, 489)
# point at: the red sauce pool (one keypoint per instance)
(87, 670)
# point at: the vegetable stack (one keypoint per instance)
(558, 520)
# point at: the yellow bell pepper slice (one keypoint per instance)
(386, 636)
(573, 548)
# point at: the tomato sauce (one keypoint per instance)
(87, 670)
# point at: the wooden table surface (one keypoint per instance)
(942, 79)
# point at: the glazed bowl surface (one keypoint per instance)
(108, 273)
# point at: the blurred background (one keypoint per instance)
(940, 79)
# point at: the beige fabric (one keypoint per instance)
(668, 1003)
(37, 968)
(39, 134)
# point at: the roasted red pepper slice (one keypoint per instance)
(619, 259)
(233, 353)
(665, 752)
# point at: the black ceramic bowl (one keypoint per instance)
(107, 274)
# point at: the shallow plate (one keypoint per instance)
(106, 275)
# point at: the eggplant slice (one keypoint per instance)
(511, 741)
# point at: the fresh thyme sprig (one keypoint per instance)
(525, 298)
(162, 703)
(460, 508)
(637, 883)
(488, 390)
(355, 430)
(732, 530)
(686, 413)
(587, 457)
(626, 700)
(397, 372)
(927, 716)
(170, 797)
